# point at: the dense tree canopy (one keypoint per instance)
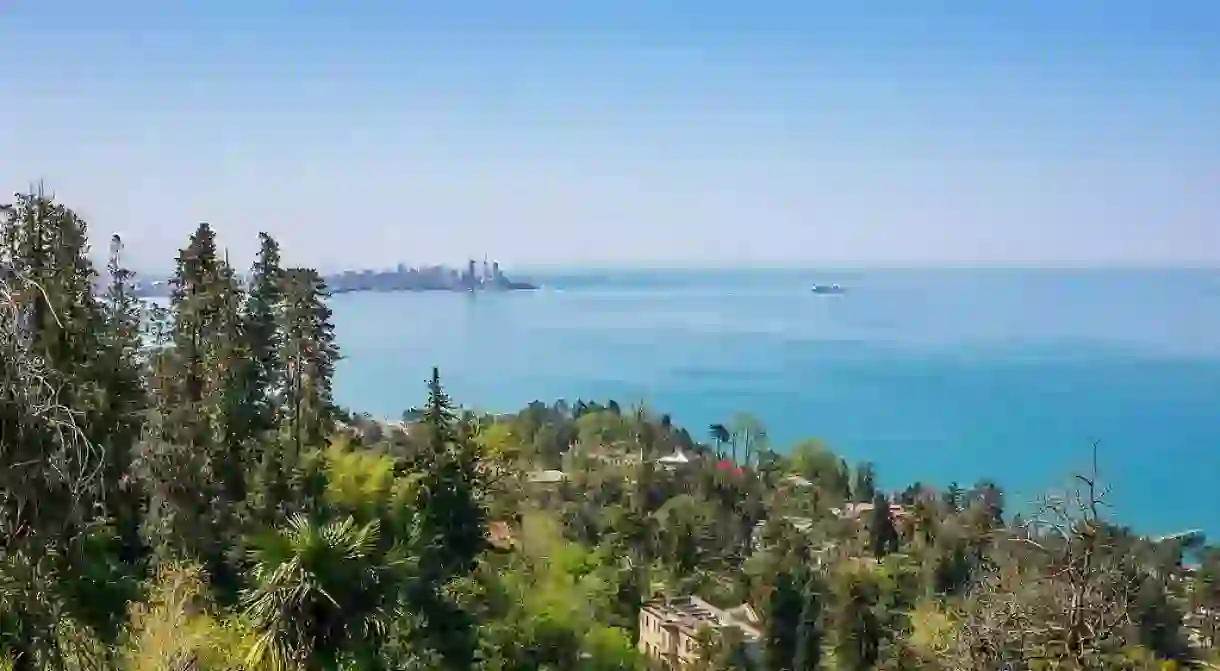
(178, 489)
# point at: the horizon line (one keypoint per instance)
(803, 266)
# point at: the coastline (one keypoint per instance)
(959, 383)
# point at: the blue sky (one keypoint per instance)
(635, 131)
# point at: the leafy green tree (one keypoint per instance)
(858, 633)
(812, 460)
(951, 565)
(809, 632)
(1158, 622)
(1205, 595)
(988, 496)
(684, 534)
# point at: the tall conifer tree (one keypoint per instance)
(309, 354)
(264, 303)
(809, 633)
(783, 618)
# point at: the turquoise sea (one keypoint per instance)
(934, 375)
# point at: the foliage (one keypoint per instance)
(179, 491)
(173, 628)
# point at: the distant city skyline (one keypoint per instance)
(628, 133)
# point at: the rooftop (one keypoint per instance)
(547, 477)
(855, 510)
(678, 458)
(692, 613)
(797, 481)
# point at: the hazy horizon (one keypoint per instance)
(544, 270)
(626, 134)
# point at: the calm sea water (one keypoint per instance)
(936, 376)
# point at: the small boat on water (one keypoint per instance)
(828, 289)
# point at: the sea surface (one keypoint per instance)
(936, 376)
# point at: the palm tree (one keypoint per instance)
(750, 431)
(322, 590)
(719, 434)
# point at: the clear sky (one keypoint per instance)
(367, 132)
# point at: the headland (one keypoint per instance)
(475, 277)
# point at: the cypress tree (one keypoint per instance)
(809, 633)
(858, 630)
(783, 618)
(883, 537)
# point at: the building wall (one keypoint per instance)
(688, 648)
(666, 642)
(655, 638)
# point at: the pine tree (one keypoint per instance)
(226, 358)
(181, 373)
(809, 633)
(453, 518)
(124, 400)
(268, 468)
(452, 524)
(192, 464)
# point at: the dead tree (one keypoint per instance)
(47, 467)
(1060, 596)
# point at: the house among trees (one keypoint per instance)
(674, 461)
(671, 629)
(854, 511)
